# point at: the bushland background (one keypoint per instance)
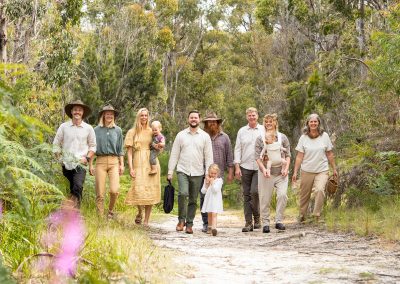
(292, 57)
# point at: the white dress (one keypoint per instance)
(213, 197)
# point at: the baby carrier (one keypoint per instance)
(274, 151)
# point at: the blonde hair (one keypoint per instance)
(156, 123)
(138, 126)
(214, 167)
(273, 117)
(251, 109)
(102, 121)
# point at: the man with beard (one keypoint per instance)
(76, 140)
(222, 153)
(191, 154)
(246, 168)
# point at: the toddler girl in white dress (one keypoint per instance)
(213, 197)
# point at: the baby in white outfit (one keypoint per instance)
(273, 152)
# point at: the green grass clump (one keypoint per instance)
(384, 222)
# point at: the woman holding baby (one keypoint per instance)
(273, 159)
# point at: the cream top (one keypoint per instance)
(314, 160)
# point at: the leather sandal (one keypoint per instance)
(138, 219)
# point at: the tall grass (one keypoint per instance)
(384, 222)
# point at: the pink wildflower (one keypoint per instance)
(71, 242)
(66, 229)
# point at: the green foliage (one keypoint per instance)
(27, 195)
(266, 12)
(4, 274)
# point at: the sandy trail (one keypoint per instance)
(301, 254)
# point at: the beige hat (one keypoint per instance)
(212, 116)
(86, 109)
(109, 108)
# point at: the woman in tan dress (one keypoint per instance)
(145, 189)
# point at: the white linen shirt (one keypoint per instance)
(74, 141)
(245, 146)
(191, 153)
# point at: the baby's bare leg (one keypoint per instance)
(269, 164)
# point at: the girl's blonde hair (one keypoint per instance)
(102, 122)
(138, 126)
(214, 167)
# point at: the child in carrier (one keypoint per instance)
(212, 205)
(273, 152)
(156, 145)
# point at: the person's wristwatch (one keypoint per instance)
(87, 159)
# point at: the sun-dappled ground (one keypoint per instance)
(301, 254)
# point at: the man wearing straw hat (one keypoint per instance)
(109, 159)
(222, 153)
(75, 144)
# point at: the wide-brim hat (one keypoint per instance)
(212, 116)
(86, 109)
(109, 108)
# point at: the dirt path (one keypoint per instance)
(301, 254)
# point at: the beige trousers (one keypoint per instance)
(312, 182)
(266, 187)
(106, 166)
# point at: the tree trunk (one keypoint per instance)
(360, 27)
(3, 34)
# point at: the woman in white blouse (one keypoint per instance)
(314, 154)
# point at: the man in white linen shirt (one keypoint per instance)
(75, 144)
(191, 154)
(246, 168)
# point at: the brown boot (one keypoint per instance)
(180, 226)
(248, 227)
(257, 223)
(189, 230)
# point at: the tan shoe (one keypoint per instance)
(209, 230)
(180, 226)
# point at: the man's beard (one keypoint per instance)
(193, 125)
(213, 130)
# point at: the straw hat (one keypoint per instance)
(109, 108)
(212, 116)
(86, 109)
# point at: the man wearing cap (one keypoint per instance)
(222, 153)
(109, 159)
(76, 141)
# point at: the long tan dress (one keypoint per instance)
(145, 189)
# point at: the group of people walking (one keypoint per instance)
(200, 157)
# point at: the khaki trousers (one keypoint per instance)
(312, 182)
(106, 166)
(266, 187)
